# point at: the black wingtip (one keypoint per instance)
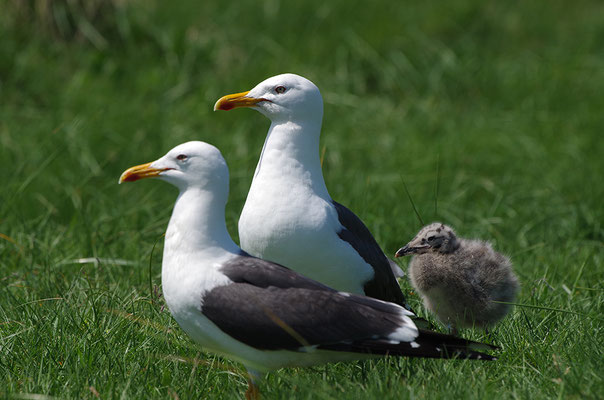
(428, 344)
(475, 355)
(450, 340)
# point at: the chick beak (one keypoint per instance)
(403, 251)
(409, 248)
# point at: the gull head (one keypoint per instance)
(285, 97)
(189, 165)
(435, 238)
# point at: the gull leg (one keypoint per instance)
(253, 391)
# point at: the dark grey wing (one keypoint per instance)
(263, 274)
(383, 286)
(270, 307)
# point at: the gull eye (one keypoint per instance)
(280, 89)
(181, 157)
(431, 238)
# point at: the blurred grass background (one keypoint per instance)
(490, 112)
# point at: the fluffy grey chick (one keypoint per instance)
(458, 279)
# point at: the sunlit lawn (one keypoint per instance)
(490, 112)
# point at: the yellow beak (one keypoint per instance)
(235, 100)
(140, 172)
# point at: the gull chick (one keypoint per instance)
(460, 280)
(259, 313)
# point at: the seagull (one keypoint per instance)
(289, 216)
(259, 313)
(461, 281)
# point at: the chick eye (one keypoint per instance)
(181, 157)
(431, 238)
(280, 89)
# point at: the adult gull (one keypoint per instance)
(289, 216)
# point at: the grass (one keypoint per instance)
(495, 106)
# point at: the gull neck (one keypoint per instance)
(291, 150)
